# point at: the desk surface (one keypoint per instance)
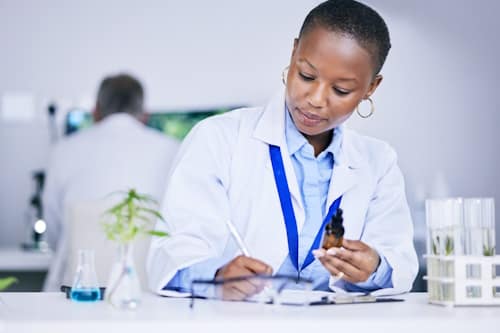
(51, 312)
(14, 259)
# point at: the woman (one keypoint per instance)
(278, 172)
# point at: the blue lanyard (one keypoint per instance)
(288, 214)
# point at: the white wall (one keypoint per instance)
(438, 104)
(189, 54)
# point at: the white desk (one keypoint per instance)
(14, 259)
(51, 312)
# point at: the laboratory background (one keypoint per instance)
(438, 104)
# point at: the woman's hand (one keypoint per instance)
(242, 266)
(354, 262)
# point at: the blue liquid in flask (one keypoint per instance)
(86, 295)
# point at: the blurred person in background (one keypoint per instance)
(117, 153)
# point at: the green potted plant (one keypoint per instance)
(133, 215)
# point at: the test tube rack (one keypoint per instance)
(463, 280)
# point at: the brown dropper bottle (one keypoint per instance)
(334, 231)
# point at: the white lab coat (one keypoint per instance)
(223, 171)
(117, 153)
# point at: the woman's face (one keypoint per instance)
(329, 75)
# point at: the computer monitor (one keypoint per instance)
(176, 124)
(76, 120)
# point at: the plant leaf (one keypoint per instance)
(7, 282)
(114, 193)
(157, 233)
(488, 251)
(151, 211)
(146, 198)
(435, 245)
(449, 246)
(434, 248)
(130, 217)
(116, 208)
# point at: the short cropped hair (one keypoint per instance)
(121, 93)
(355, 20)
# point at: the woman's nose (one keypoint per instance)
(318, 95)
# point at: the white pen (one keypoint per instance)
(232, 229)
(237, 238)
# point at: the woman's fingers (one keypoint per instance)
(356, 260)
(242, 266)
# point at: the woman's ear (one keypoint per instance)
(373, 85)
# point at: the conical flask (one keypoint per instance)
(85, 287)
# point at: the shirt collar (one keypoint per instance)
(119, 119)
(295, 140)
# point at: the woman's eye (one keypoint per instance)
(341, 92)
(306, 77)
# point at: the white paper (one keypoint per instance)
(173, 293)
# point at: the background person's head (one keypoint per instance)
(335, 64)
(121, 93)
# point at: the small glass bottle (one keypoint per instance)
(85, 287)
(334, 231)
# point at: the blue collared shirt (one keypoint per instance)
(313, 176)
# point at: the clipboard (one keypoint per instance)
(354, 299)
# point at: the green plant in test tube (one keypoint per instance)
(488, 251)
(435, 246)
(448, 247)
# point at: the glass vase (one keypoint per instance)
(123, 289)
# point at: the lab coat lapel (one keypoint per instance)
(271, 125)
(293, 186)
(345, 174)
(343, 179)
(271, 129)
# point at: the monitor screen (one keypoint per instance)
(176, 124)
(76, 120)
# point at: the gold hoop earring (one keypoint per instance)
(284, 74)
(372, 109)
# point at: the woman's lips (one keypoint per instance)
(308, 119)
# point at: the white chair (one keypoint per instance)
(83, 230)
